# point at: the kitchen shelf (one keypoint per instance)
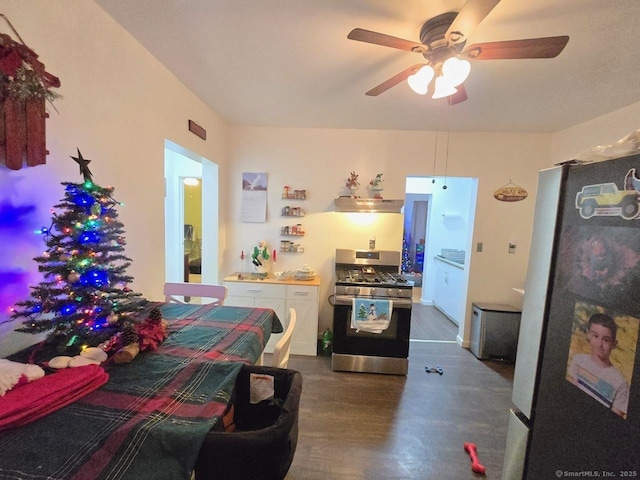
(292, 197)
(289, 194)
(292, 231)
(287, 246)
(292, 212)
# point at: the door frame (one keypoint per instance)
(178, 164)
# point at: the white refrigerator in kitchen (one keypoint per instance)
(576, 387)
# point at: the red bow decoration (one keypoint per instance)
(151, 334)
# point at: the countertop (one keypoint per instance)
(251, 278)
(450, 262)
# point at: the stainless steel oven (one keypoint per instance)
(371, 274)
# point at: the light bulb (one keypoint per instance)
(443, 88)
(419, 81)
(455, 70)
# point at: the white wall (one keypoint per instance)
(118, 106)
(320, 160)
(605, 130)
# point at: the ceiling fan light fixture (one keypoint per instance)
(419, 81)
(456, 70)
(443, 88)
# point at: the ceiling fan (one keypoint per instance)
(443, 44)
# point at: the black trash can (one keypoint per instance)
(264, 441)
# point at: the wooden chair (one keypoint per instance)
(217, 293)
(280, 357)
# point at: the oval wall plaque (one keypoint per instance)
(510, 194)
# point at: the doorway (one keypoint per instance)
(184, 209)
(192, 194)
(416, 208)
(439, 218)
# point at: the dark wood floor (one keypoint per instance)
(428, 323)
(357, 426)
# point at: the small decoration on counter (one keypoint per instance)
(287, 275)
(242, 255)
(304, 273)
(376, 186)
(260, 256)
(352, 183)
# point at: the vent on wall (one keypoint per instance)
(368, 205)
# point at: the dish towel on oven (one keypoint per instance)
(371, 315)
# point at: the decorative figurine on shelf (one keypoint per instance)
(259, 258)
(376, 186)
(352, 183)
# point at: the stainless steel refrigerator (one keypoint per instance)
(576, 407)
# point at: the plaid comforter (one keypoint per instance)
(150, 419)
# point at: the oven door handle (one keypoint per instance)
(348, 300)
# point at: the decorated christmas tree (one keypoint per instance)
(406, 265)
(84, 296)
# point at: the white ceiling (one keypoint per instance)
(289, 63)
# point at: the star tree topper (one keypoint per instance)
(84, 166)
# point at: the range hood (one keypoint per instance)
(368, 205)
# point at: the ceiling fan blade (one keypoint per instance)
(545, 47)
(458, 97)
(368, 36)
(393, 81)
(472, 13)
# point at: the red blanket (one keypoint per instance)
(34, 400)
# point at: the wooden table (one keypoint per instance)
(150, 419)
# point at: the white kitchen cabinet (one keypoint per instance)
(281, 296)
(447, 296)
(304, 299)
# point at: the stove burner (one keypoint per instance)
(360, 276)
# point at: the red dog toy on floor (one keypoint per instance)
(476, 466)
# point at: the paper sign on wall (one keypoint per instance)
(254, 198)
